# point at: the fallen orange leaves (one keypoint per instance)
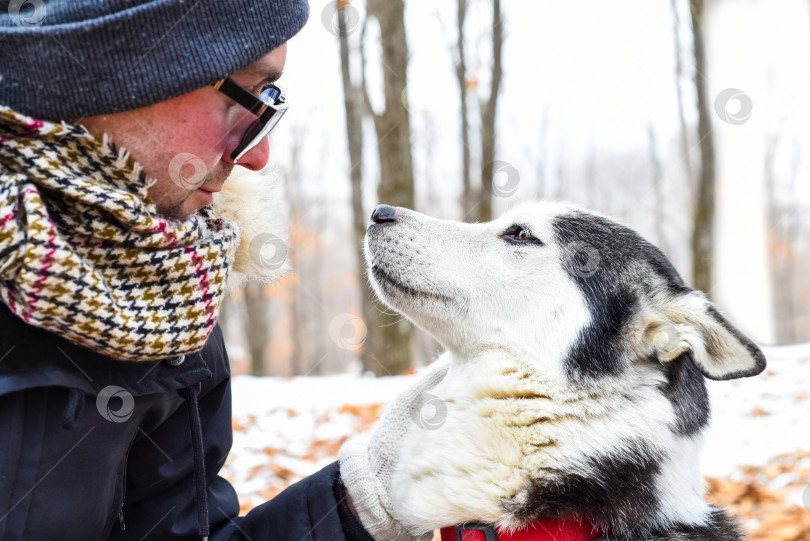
(758, 412)
(324, 449)
(239, 427)
(763, 510)
(366, 414)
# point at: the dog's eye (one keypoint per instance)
(517, 234)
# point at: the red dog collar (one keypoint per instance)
(562, 529)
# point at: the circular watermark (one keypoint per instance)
(333, 10)
(666, 339)
(348, 331)
(27, 13)
(733, 106)
(581, 259)
(430, 412)
(505, 179)
(268, 251)
(806, 497)
(187, 171)
(106, 406)
(403, 98)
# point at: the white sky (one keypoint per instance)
(583, 80)
(602, 78)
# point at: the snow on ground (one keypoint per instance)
(755, 419)
(287, 428)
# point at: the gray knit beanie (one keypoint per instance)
(67, 59)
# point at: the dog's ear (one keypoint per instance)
(689, 324)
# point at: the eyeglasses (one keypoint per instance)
(269, 106)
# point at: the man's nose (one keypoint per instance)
(254, 159)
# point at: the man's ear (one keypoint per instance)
(687, 323)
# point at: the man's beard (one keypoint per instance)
(175, 210)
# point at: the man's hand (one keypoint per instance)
(367, 463)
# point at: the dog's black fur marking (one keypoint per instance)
(620, 496)
(598, 349)
(719, 527)
(616, 491)
(686, 390)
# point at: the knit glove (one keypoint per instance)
(368, 461)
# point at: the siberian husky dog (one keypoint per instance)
(576, 382)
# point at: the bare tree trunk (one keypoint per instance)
(658, 189)
(467, 196)
(257, 325)
(591, 186)
(353, 104)
(317, 317)
(784, 229)
(703, 231)
(230, 319)
(393, 124)
(685, 147)
(297, 317)
(489, 111)
(392, 354)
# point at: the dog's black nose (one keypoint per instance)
(384, 214)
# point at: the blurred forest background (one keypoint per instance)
(689, 121)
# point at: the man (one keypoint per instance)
(118, 121)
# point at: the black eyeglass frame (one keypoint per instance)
(270, 106)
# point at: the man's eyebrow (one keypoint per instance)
(267, 76)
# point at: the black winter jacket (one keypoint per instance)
(96, 448)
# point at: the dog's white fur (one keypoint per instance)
(508, 316)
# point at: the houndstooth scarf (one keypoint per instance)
(84, 254)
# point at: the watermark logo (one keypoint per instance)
(187, 171)
(6, 353)
(403, 98)
(806, 497)
(27, 13)
(348, 331)
(430, 412)
(107, 404)
(733, 106)
(581, 259)
(666, 339)
(505, 179)
(333, 10)
(268, 251)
